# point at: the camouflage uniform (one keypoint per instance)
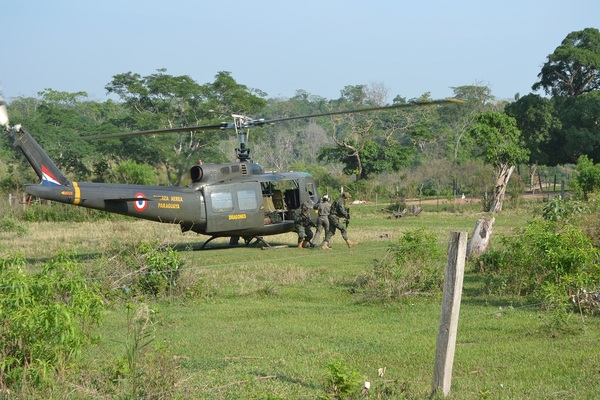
(338, 210)
(323, 208)
(303, 225)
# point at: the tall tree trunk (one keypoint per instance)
(502, 178)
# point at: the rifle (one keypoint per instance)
(308, 222)
(347, 217)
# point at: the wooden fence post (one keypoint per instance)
(446, 340)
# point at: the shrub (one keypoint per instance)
(154, 270)
(588, 176)
(548, 260)
(8, 223)
(558, 209)
(343, 380)
(58, 212)
(45, 318)
(410, 266)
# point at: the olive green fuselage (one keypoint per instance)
(246, 207)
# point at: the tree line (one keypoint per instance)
(439, 149)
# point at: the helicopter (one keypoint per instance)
(236, 200)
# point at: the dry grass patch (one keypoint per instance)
(244, 280)
(46, 239)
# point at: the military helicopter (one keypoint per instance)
(235, 200)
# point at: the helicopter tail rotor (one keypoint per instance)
(3, 114)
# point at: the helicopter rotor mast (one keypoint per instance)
(242, 128)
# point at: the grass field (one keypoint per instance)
(265, 324)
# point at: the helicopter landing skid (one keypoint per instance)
(281, 246)
(234, 241)
(266, 246)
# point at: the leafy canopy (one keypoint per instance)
(574, 67)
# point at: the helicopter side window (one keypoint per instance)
(221, 201)
(247, 200)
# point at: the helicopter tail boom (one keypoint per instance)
(44, 167)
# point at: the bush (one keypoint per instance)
(9, 223)
(58, 212)
(343, 380)
(588, 176)
(558, 209)
(411, 266)
(45, 319)
(548, 260)
(153, 270)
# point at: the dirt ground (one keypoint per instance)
(444, 200)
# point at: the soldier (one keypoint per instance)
(323, 208)
(303, 226)
(339, 210)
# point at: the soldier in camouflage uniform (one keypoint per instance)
(323, 208)
(303, 226)
(339, 210)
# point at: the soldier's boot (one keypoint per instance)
(299, 245)
(305, 244)
(351, 244)
(325, 246)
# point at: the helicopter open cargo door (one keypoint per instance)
(233, 207)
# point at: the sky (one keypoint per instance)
(279, 47)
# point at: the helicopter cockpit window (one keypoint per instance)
(221, 201)
(247, 200)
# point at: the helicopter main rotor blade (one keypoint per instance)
(221, 125)
(262, 122)
(247, 122)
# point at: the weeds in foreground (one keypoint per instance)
(45, 319)
(413, 265)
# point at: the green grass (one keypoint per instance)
(267, 323)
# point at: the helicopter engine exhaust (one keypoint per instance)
(196, 173)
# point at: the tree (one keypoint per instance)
(374, 158)
(478, 98)
(537, 119)
(61, 119)
(165, 101)
(154, 102)
(574, 67)
(580, 126)
(398, 132)
(291, 141)
(351, 132)
(499, 139)
(133, 173)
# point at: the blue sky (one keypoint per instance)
(279, 47)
